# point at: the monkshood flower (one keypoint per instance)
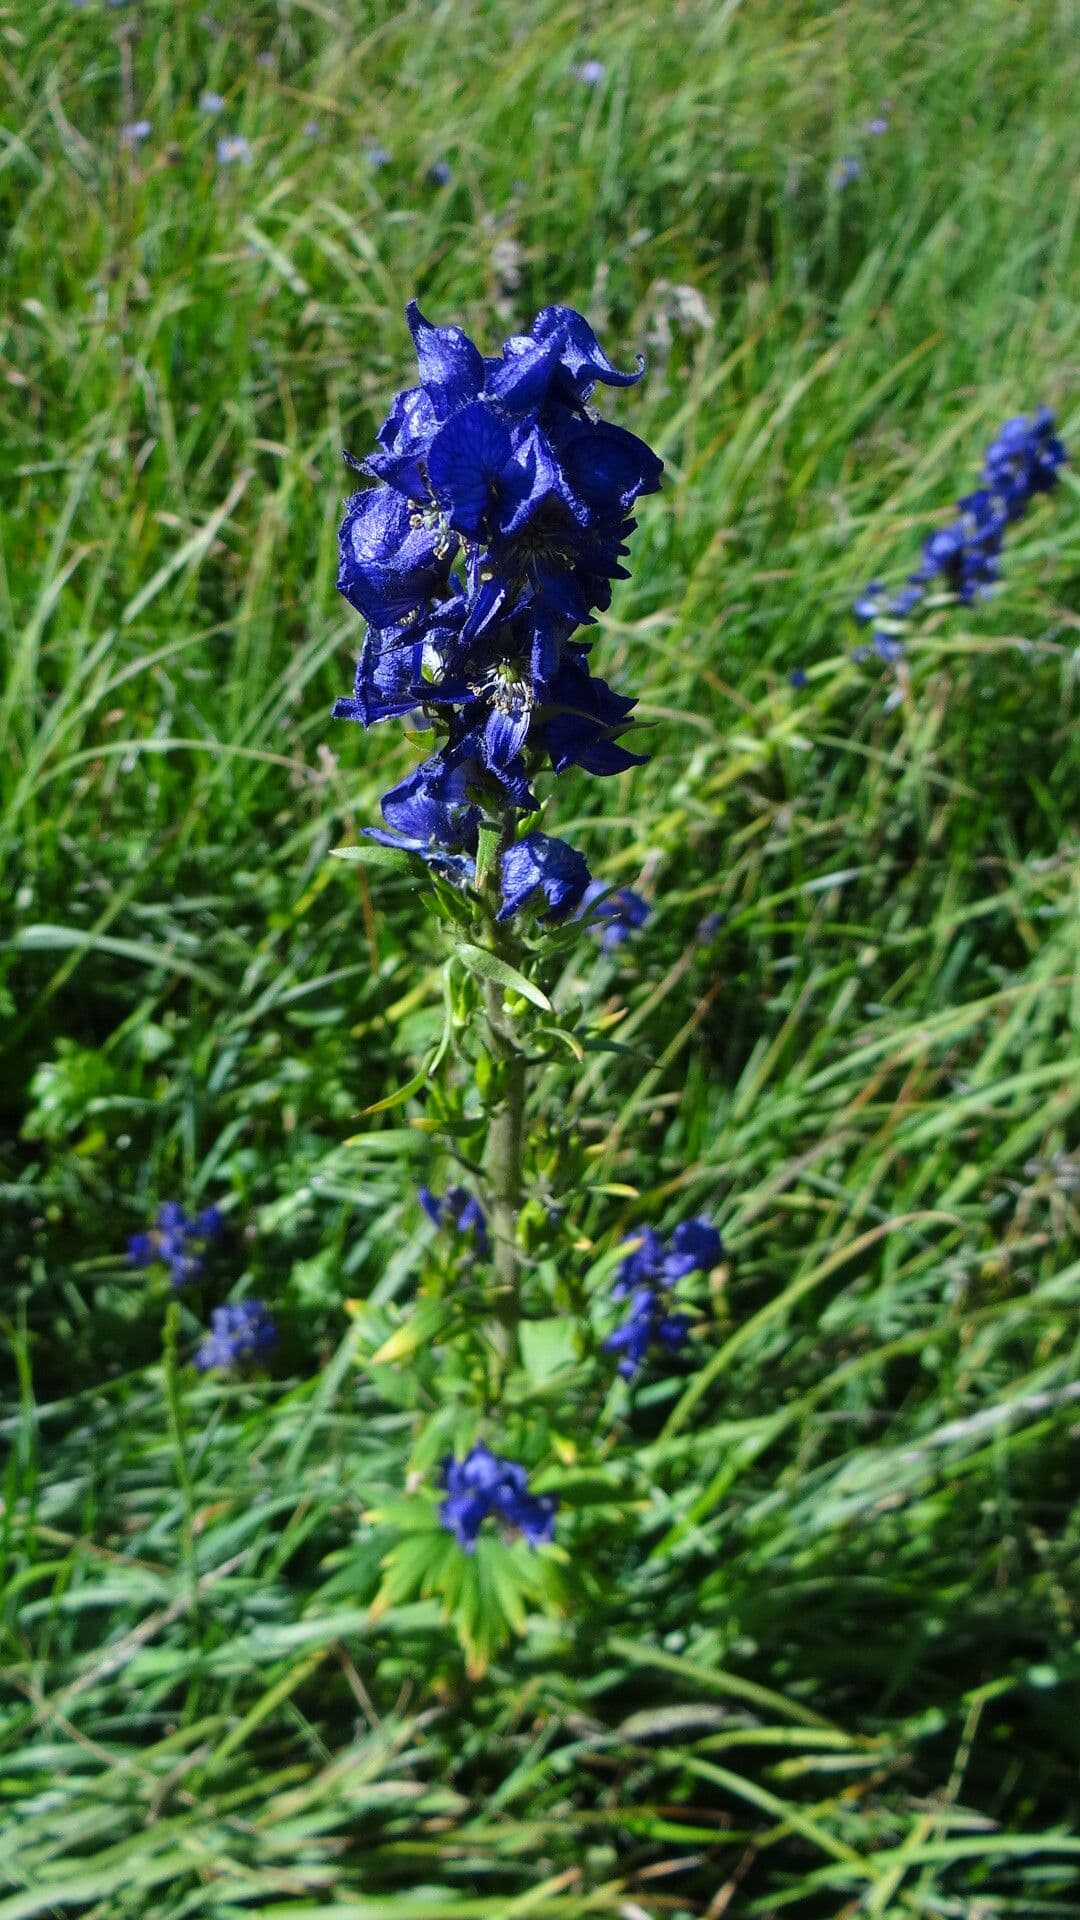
(496, 525)
(484, 1483)
(460, 1211)
(176, 1242)
(1022, 460)
(239, 1331)
(645, 1278)
(614, 915)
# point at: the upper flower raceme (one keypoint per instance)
(497, 522)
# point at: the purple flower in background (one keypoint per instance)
(232, 148)
(211, 102)
(440, 174)
(239, 1331)
(460, 1211)
(484, 1483)
(1023, 459)
(645, 1278)
(615, 915)
(589, 72)
(176, 1241)
(847, 169)
(877, 126)
(134, 133)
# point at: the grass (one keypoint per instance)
(822, 1641)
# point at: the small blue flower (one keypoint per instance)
(134, 133)
(440, 174)
(211, 102)
(847, 169)
(589, 72)
(484, 1483)
(239, 1331)
(650, 1322)
(233, 148)
(540, 863)
(877, 126)
(460, 1211)
(176, 1242)
(645, 1278)
(797, 678)
(1023, 459)
(614, 915)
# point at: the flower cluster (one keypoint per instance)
(239, 1331)
(459, 1210)
(498, 521)
(613, 915)
(176, 1242)
(484, 1483)
(1022, 461)
(645, 1279)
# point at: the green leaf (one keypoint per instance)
(369, 853)
(424, 1324)
(547, 1347)
(489, 967)
(394, 1099)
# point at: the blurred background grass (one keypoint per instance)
(833, 1670)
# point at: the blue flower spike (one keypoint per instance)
(1022, 460)
(496, 520)
(645, 1279)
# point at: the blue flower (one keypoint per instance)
(645, 1278)
(176, 1242)
(484, 1483)
(539, 863)
(496, 524)
(460, 1211)
(615, 915)
(1022, 460)
(239, 1331)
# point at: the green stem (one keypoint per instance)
(503, 1166)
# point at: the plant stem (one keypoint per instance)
(503, 1164)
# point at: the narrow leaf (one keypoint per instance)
(489, 967)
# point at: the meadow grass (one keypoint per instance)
(830, 1667)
